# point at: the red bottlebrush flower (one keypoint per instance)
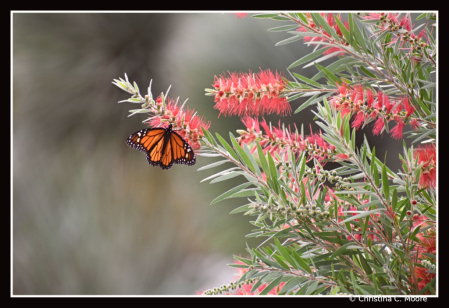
(405, 23)
(374, 114)
(414, 124)
(335, 49)
(190, 129)
(387, 104)
(422, 34)
(358, 120)
(378, 126)
(372, 16)
(380, 100)
(398, 108)
(427, 159)
(343, 89)
(342, 156)
(369, 98)
(267, 130)
(251, 123)
(423, 277)
(354, 94)
(408, 108)
(393, 18)
(396, 132)
(241, 15)
(251, 94)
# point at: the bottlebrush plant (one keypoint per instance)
(361, 228)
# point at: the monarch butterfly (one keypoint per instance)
(163, 147)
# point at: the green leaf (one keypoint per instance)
(265, 15)
(353, 140)
(340, 250)
(263, 160)
(267, 261)
(242, 153)
(284, 252)
(217, 163)
(359, 37)
(367, 72)
(230, 192)
(309, 57)
(325, 25)
(301, 262)
(330, 76)
(226, 176)
(303, 17)
(361, 215)
(242, 208)
(259, 282)
(309, 81)
(313, 100)
(312, 287)
(385, 185)
(273, 171)
(394, 199)
(354, 284)
(291, 284)
(365, 265)
(342, 28)
(281, 262)
(227, 147)
(289, 40)
(253, 161)
(272, 285)
(282, 28)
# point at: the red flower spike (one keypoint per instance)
(398, 108)
(396, 132)
(241, 15)
(378, 126)
(343, 89)
(358, 120)
(251, 95)
(414, 124)
(387, 104)
(380, 100)
(369, 98)
(405, 23)
(342, 156)
(427, 158)
(408, 108)
(173, 114)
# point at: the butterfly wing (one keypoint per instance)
(150, 142)
(166, 160)
(163, 147)
(182, 151)
(145, 139)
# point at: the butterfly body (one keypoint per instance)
(163, 147)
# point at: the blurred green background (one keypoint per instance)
(90, 216)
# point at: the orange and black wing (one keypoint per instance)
(144, 140)
(150, 142)
(163, 147)
(182, 151)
